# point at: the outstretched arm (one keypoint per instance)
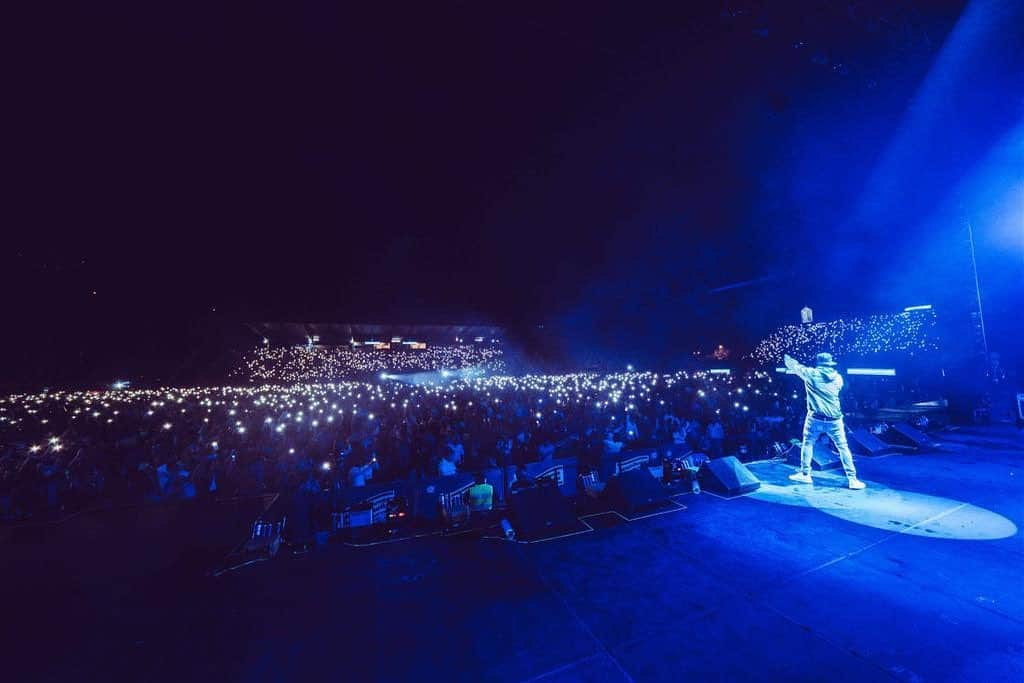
(794, 368)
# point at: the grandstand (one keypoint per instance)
(326, 352)
(313, 363)
(889, 338)
(330, 334)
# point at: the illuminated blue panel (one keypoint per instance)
(925, 307)
(780, 369)
(720, 371)
(880, 372)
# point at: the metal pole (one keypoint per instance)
(977, 288)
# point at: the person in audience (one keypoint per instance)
(481, 494)
(163, 477)
(546, 451)
(679, 435)
(445, 466)
(522, 479)
(716, 437)
(360, 474)
(456, 450)
(611, 446)
(631, 432)
(300, 519)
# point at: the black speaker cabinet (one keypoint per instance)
(822, 459)
(728, 477)
(863, 442)
(634, 490)
(901, 432)
(542, 512)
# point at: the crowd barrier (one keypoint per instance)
(442, 502)
(428, 497)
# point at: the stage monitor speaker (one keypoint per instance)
(542, 512)
(904, 432)
(823, 457)
(864, 442)
(728, 477)
(634, 490)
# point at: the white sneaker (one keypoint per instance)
(802, 478)
(854, 483)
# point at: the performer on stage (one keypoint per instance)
(822, 384)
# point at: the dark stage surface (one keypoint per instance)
(917, 579)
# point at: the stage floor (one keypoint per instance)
(919, 578)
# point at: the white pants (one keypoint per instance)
(835, 431)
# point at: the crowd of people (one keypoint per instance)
(910, 332)
(66, 450)
(313, 363)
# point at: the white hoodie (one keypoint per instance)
(822, 384)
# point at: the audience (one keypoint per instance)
(62, 451)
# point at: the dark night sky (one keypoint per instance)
(588, 166)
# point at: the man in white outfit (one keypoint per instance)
(822, 384)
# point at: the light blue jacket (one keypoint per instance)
(822, 385)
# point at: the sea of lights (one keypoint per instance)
(909, 332)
